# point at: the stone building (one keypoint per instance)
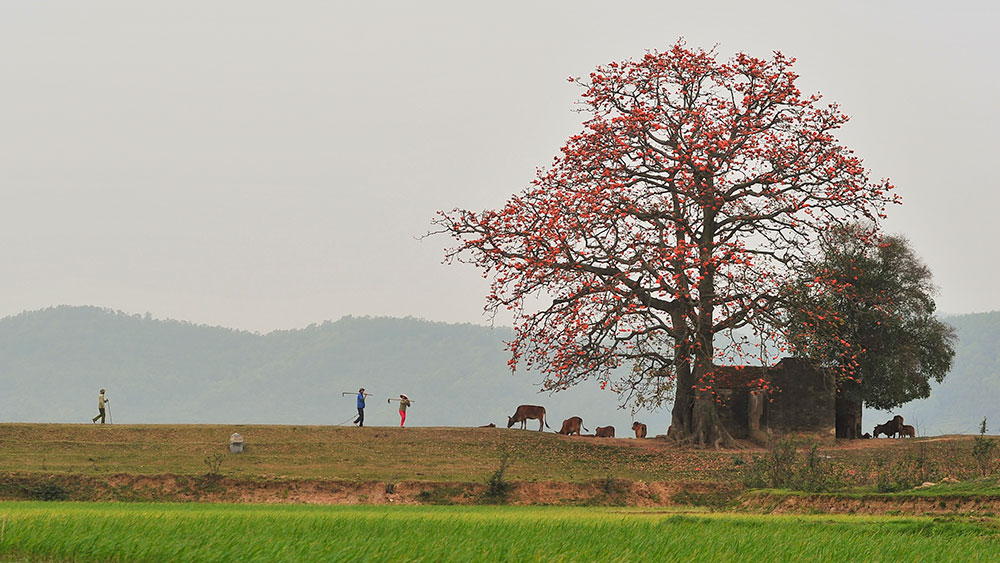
(790, 397)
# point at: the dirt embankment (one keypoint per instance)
(217, 488)
(601, 492)
(872, 504)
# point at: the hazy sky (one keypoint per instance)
(266, 165)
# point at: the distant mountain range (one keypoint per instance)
(54, 361)
(972, 389)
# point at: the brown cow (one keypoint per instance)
(572, 425)
(605, 432)
(898, 421)
(640, 429)
(890, 429)
(906, 430)
(490, 425)
(524, 412)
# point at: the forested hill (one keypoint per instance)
(53, 362)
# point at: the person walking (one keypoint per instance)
(101, 402)
(404, 402)
(360, 421)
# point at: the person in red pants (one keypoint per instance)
(404, 402)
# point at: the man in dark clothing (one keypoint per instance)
(360, 421)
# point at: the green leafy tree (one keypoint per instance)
(865, 307)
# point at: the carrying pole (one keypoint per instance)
(107, 402)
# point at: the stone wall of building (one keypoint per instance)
(804, 399)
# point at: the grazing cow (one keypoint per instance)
(524, 412)
(908, 431)
(605, 432)
(866, 436)
(889, 429)
(572, 425)
(640, 429)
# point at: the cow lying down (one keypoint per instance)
(605, 432)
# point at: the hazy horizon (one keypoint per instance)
(264, 167)
(943, 314)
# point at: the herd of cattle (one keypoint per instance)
(570, 426)
(574, 424)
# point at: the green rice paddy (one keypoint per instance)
(220, 532)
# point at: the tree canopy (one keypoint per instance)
(695, 191)
(866, 307)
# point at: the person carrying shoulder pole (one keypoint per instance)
(360, 421)
(101, 401)
(404, 402)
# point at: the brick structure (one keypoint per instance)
(802, 398)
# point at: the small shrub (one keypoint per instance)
(214, 463)
(28, 488)
(611, 487)
(883, 480)
(438, 495)
(780, 469)
(211, 481)
(903, 472)
(48, 491)
(497, 488)
(774, 469)
(612, 492)
(927, 469)
(983, 450)
(781, 466)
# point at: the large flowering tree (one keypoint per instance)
(693, 194)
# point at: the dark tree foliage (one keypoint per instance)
(879, 328)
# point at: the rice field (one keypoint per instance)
(221, 532)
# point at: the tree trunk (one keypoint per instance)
(708, 428)
(682, 414)
(695, 417)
